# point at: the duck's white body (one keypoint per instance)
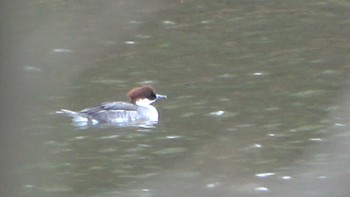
(139, 110)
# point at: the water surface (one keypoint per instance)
(256, 103)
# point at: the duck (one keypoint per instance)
(139, 109)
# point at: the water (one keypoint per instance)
(256, 98)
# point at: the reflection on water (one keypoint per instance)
(254, 92)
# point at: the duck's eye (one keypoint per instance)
(153, 96)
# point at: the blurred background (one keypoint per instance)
(257, 102)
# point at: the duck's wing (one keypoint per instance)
(109, 112)
(109, 106)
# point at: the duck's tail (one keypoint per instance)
(79, 119)
(68, 112)
(77, 116)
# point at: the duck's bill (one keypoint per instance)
(161, 97)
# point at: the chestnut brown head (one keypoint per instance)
(146, 93)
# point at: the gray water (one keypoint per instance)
(257, 97)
